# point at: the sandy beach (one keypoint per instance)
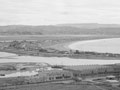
(101, 45)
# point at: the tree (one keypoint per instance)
(77, 52)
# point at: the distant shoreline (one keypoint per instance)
(74, 45)
(59, 50)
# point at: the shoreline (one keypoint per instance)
(89, 56)
(73, 46)
(59, 60)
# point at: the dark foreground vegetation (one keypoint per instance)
(19, 84)
(70, 86)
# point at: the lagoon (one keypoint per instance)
(53, 60)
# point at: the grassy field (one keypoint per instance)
(52, 86)
(49, 86)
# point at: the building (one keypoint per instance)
(75, 72)
(50, 75)
(84, 71)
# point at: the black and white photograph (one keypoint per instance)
(59, 44)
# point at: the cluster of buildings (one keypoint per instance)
(75, 72)
(79, 72)
(85, 71)
(50, 75)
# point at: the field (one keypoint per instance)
(71, 86)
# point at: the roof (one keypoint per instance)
(53, 72)
(85, 67)
(111, 76)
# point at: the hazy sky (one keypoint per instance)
(39, 12)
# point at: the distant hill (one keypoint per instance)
(92, 25)
(62, 29)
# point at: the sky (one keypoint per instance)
(50, 12)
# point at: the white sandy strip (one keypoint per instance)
(4, 54)
(101, 45)
(59, 61)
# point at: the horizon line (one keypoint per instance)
(60, 24)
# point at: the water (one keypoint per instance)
(53, 60)
(102, 45)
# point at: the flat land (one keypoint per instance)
(52, 86)
(51, 40)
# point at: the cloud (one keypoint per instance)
(38, 12)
